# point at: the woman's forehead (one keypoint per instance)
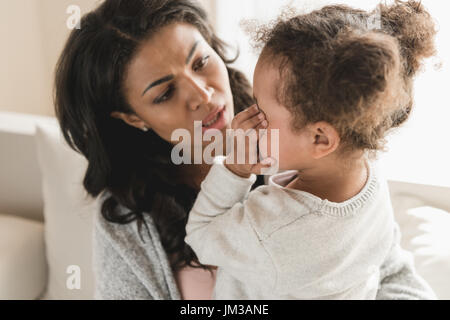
(173, 43)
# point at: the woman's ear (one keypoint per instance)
(325, 139)
(130, 119)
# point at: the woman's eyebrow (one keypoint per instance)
(170, 77)
(158, 82)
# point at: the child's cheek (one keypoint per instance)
(268, 142)
(263, 144)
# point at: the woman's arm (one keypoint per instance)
(114, 278)
(131, 265)
(399, 279)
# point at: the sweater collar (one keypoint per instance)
(338, 209)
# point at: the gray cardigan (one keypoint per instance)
(127, 268)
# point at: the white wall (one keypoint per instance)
(32, 33)
(24, 78)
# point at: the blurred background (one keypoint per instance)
(43, 207)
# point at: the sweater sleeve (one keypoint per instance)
(399, 279)
(114, 278)
(220, 232)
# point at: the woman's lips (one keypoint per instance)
(212, 115)
(217, 124)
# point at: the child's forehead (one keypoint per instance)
(267, 78)
(267, 69)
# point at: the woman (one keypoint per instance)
(135, 72)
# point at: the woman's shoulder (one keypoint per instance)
(107, 229)
(139, 250)
(118, 233)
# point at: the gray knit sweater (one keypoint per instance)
(128, 268)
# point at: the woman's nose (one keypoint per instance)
(201, 94)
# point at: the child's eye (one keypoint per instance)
(201, 63)
(165, 96)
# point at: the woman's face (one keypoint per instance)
(176, 78)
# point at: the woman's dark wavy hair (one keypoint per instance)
(130, 167)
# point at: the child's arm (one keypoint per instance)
(219, 229)
(221, 233)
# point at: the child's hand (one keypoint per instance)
(243, 160)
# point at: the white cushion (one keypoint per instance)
(20, 177)
(68, 213)
(23, 269)
(426, 233)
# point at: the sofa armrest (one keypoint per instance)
(23, 267)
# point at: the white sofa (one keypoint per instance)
(47, 253)
(46, 217)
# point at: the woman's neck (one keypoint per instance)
(194, 174)
(336, 183)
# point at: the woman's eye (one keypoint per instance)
(165, 96)
(199, 64)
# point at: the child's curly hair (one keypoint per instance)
(336, 67)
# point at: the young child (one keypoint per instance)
(333, 87)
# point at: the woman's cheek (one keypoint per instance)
(165, 125)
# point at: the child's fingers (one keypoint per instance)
(262, 125)
(252, 110)
(244, 115)
(253, 122)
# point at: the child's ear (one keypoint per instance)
(130, 119)
(325, 139)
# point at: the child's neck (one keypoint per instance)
(336, 183)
